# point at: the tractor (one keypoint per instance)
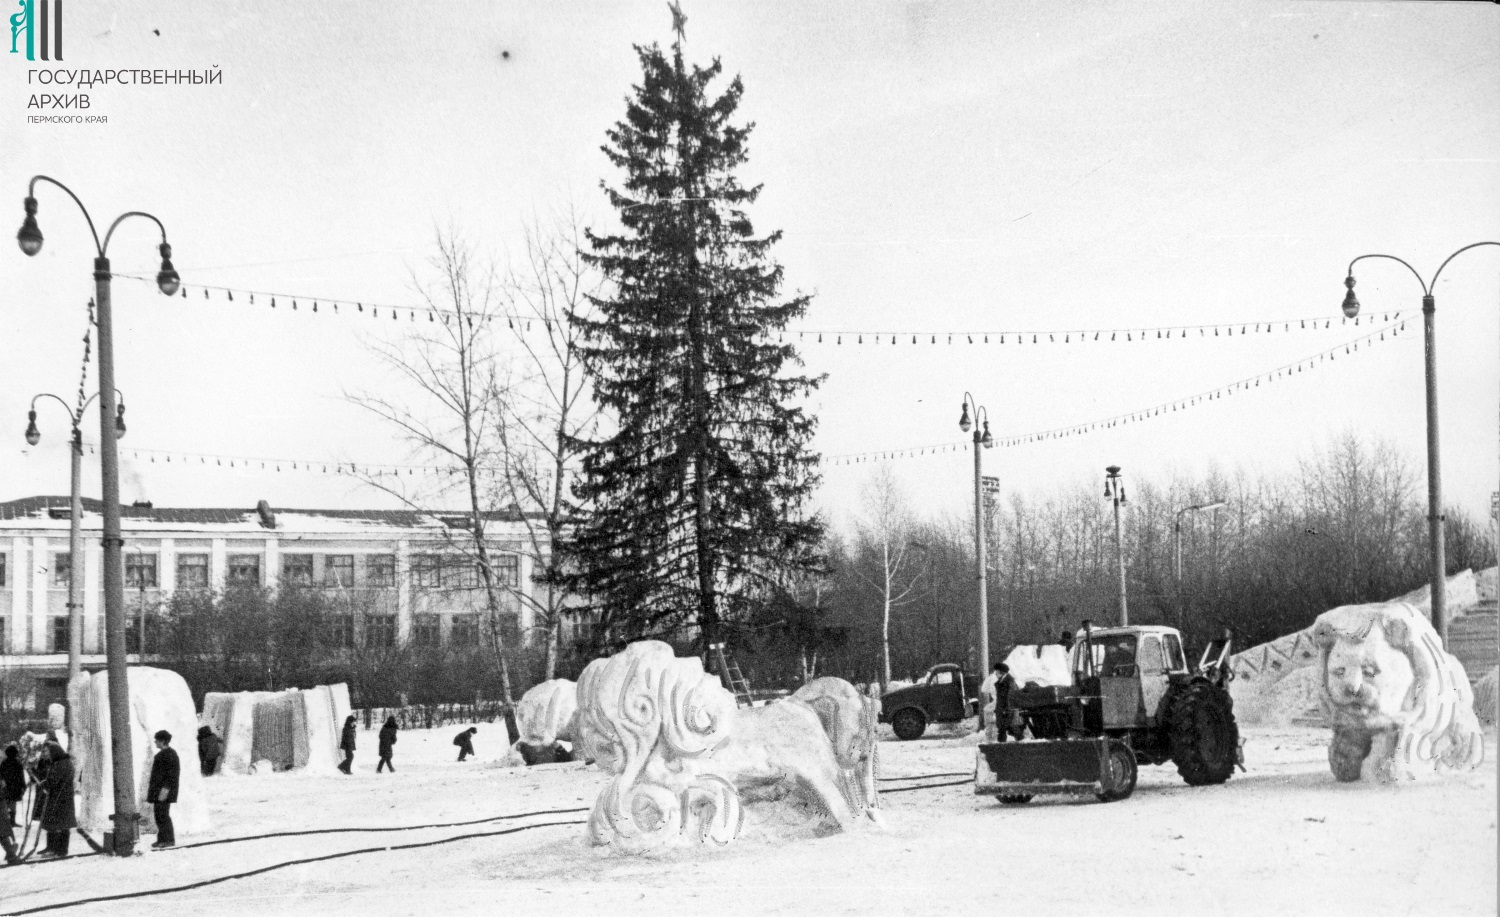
(1133, 700)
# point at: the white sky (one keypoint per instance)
(933, 166)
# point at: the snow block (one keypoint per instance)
(159, 699)
(544, 711)
(289, 729)
(1046, 665)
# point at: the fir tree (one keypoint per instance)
(696, 499)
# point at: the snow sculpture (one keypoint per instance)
(1400, 706)
(683, 753)
(290, 729)
(159, 699)
(544, 718)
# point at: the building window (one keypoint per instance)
(60, 631)
(192, 571)
(2, 571)
(380, 570)
(507, 569)
(465, 630)
(296, 569)
(426, 571)
(460, 574)
(140, 570)
(244, 570)
(62, 568)
(341, 630)
(380, 631)
(426, 630)
(338, 569)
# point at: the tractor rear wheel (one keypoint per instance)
(1204, 738)
(1119, 780)
(909, 724)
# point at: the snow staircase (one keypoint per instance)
(732, 678)
(1474, 637)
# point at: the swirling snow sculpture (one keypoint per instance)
(683, 754)
(1399, 705)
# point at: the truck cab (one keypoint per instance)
(944, 694)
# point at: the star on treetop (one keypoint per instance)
(679, 21)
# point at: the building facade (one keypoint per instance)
(408, 577)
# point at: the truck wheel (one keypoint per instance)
(1015, 799)
(1204, 738)
(909, 724)
(1119, 780)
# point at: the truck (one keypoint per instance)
(944, 694)
(1133, 700)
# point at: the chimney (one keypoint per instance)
(267, 518)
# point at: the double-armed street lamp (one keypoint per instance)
(1437, 562)
(1114, 490)
(982, 439)
(122, 764)
(1177, 549)
(75, 523)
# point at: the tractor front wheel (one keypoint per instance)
(1119, 780)
(1204, 738)
(909, 724)
(1015, 799)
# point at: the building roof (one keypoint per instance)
(48, 508)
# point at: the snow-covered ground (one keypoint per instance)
(1281, 839)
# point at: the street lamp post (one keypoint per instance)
(122, 766)
(982, 439)
(1114, 489)
(1437, 562)
(1177, 550)
(75, 522)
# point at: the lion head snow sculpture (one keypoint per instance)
(1400, 706)
(645, 716)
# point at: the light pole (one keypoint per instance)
(1437, 562)
(982, 438)
(1177, 550)
(122, 765)
(75, 523)
(1114, 489)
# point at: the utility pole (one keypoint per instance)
(1114, 489)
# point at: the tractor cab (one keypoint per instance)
(1130, 669)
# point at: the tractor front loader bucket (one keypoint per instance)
(1015, 769)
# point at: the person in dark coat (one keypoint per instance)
(347, 745)
(13, 775)
(465, 742)
(1003, 686)
(12, 785)
(210, 749)
(1066, 640)
(166, 771)
(58, 817)
(387, 744)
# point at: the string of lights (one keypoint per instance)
(1179, 404)
(322, 305)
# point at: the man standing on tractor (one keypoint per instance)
(987, 696)
(1004, 684)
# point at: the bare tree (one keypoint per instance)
(886, 528)
(448, 364)
(545, 409)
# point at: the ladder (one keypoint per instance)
(731, 676)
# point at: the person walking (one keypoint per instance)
(346, 743)
(387, 744)
(465, 742)
(13, 775)
(166, 772)
(210, 749)
(58, 816)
